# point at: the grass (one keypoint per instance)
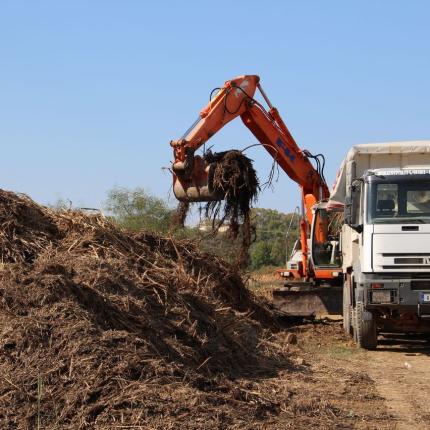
(342, 351)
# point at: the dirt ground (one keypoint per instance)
(334, 372)
(394, 380)
(387, 388)
(401, 372)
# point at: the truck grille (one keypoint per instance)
(407, 261)
(413, 260)
(420, 285)
(397, 254)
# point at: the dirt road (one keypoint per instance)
(398, 370)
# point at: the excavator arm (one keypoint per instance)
(236, 98)
(192, 174)
(228, 103)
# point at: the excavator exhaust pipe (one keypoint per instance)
(193, 182)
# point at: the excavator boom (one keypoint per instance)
(236, 98)
(192, 174)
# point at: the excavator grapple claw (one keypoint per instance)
(194, 184)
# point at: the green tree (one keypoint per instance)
(261, 255)
(271, 242)
(137, 209)
(220, 244)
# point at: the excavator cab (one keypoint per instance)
(325, 238)
(322, 295)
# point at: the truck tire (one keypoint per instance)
(365, 332)
(347, 309)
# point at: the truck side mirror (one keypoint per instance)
(351, 202)
(350, 215)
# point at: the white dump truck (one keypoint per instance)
(384, 189)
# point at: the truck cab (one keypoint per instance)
(386, 253)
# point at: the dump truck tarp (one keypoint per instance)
(390, 155)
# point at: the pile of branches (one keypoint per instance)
(100, 328)
(235, 179)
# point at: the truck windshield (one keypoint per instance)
(398, 200)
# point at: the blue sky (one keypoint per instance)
(91, 92)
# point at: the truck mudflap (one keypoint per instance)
(306, 301)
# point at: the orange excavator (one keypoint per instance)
(316, 263)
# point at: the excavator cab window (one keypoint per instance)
(325, 238)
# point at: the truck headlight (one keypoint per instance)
(381, 296)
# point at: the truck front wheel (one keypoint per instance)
(365, 332)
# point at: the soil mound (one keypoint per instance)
(101, 328)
